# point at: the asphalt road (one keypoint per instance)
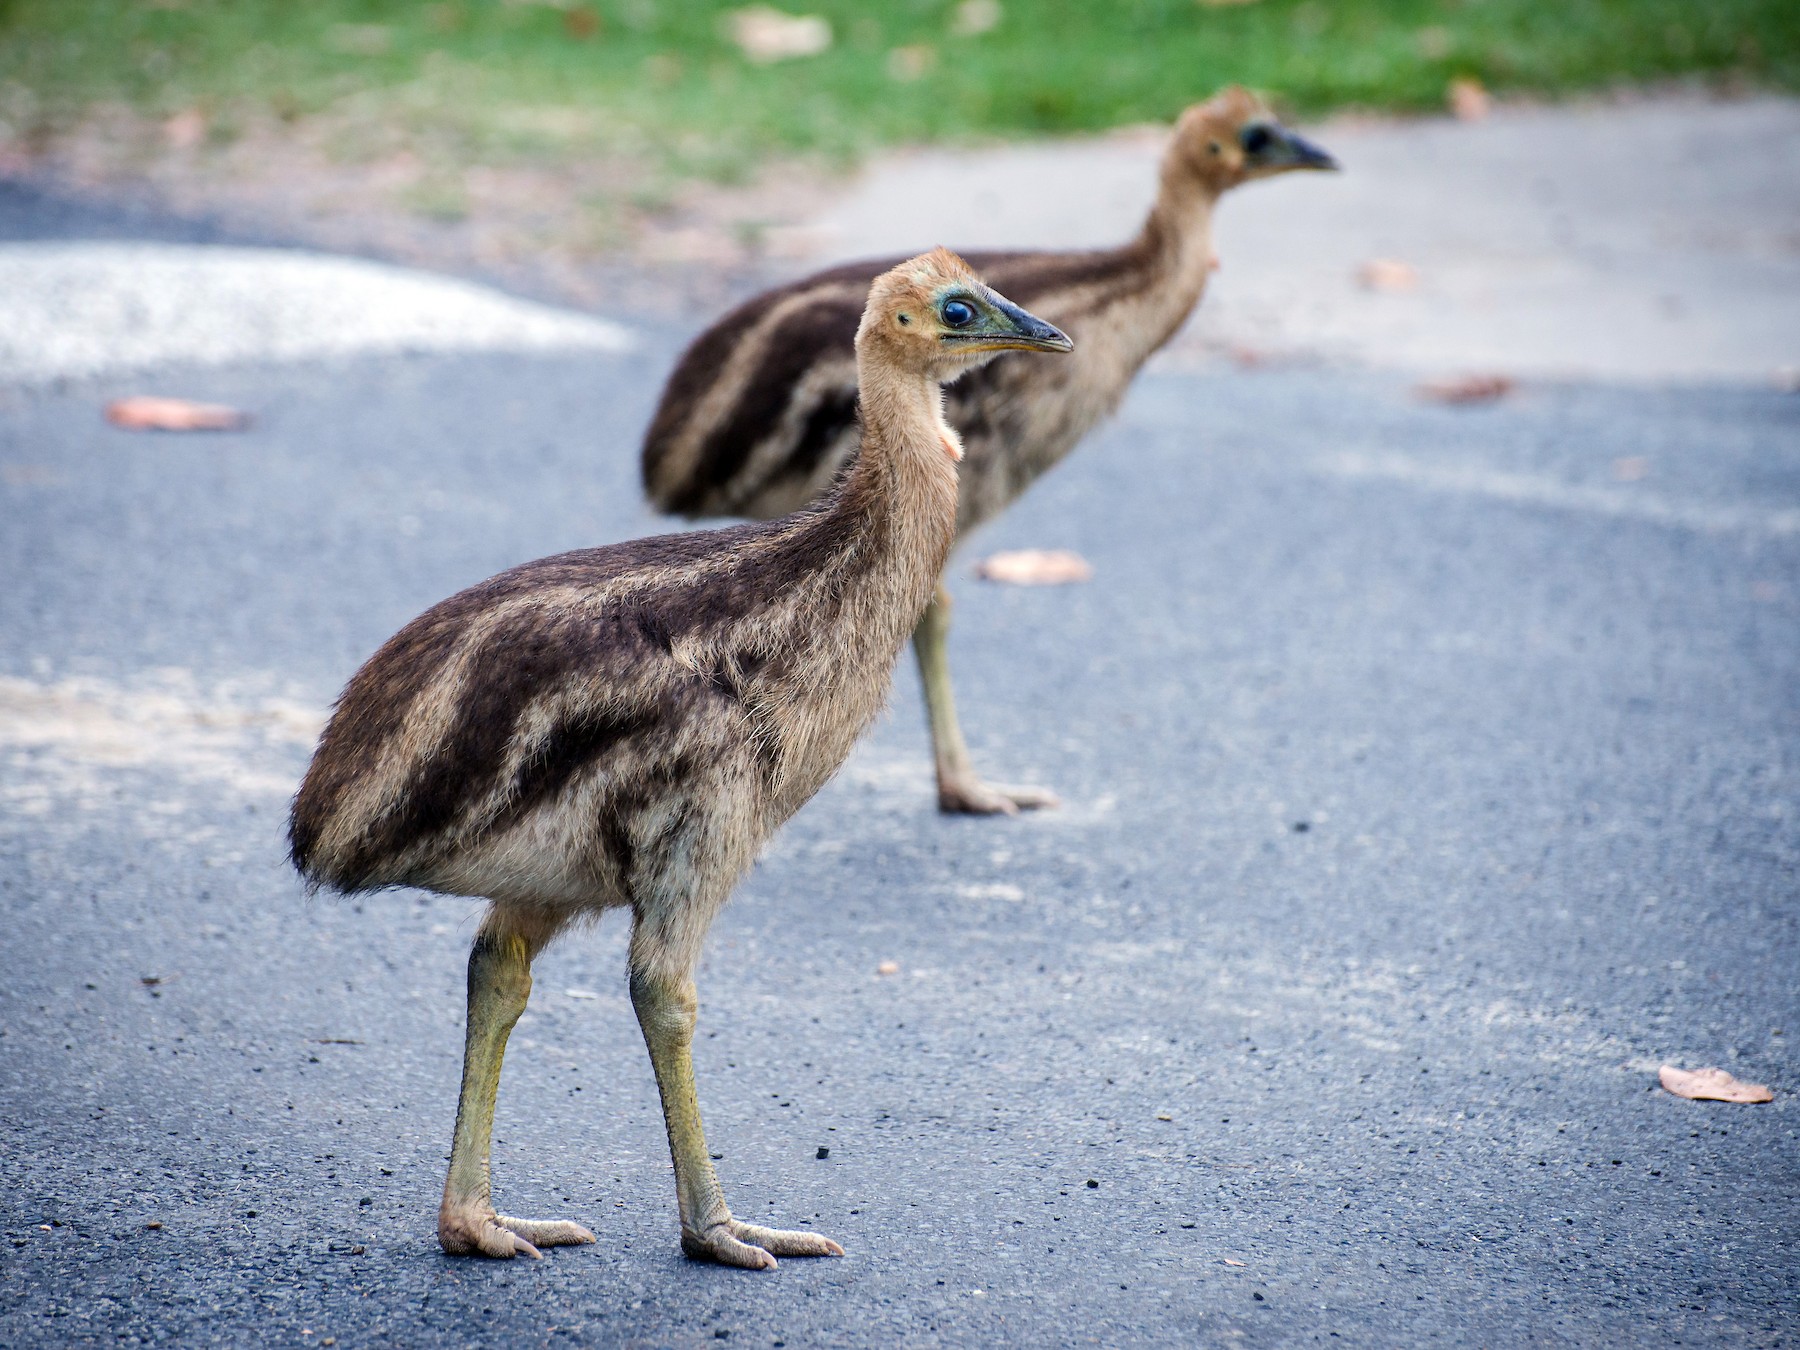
(1431, 777)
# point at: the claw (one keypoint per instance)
(464, 1233)
(750, 1247)
(720, 1244)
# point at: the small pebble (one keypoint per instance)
(1093, 1185)
(154, 1225)
(823, 1153)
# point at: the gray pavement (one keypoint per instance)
(1430, 779)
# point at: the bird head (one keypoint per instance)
(932, 316)
(1233, 137)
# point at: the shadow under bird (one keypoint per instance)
(759, 415)
(624, 727)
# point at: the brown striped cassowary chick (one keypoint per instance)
(760, 414)
(624, 727)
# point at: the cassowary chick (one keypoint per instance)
(624, 727)
(760, 413)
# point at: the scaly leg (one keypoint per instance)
(665, 1011)
(959, 787)
(499, 985)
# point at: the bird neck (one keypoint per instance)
(904, 478)
(1173, 253)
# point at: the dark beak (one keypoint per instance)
(1012, 328)
(1294, 151)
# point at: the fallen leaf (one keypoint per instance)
(1230, 1262)
(975, 17)
(907, 64)
(1466, 389)
(1164, 1115)
(360, 39)
(1710, 1085)
(581, 22)
(155, 1225)
(1630, 468)
(185, 130)
(1434, 42)
(1035, 567)
(1468, 99)
(147, 413)
(766, 35)
(888, 968)
(1388, 274)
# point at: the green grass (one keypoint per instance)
(656, 79)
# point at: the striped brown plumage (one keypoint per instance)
(759, 415)
(624, 727)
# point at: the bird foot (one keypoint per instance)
(733, 1242)
(481, 1232)
(970, 796)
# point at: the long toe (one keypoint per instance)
(786, 1241)
(972, 797)
(546, 1232)
(1030, 798)
(477, 1233)
(719, 1243)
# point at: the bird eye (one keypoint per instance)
(958, 313)
(1256, 139)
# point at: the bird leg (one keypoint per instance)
(960, 788)
(665, 1011)
(499, 985)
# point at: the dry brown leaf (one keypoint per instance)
(1710, 1085)
(1388, 274)
(1434, 42)
(1466, 389)
(1035, 567)
(1468, 99)
(888, 968)
(581, 23)
(915, 62)
(148, 413)
(360, 39)
(766, 35)
(972, 18)
(185, 130)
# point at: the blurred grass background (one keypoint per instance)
(658, 75)
(617, 107)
